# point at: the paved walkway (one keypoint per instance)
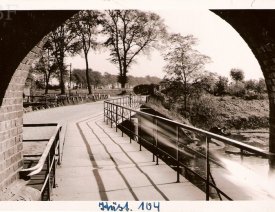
(99, 164)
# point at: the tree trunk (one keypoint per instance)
(123, 80)
(87, 74)
(123, 85)
(185, 97)
(62, 84)
(62, 71)
(47, 84)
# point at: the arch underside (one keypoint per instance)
(257, 28)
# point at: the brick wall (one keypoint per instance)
(18, 47)
(11, 121)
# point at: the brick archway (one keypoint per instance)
(21, 39)
(257, 28)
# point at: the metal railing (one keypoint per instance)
(47, 161)
(133, 101)
(172, 142)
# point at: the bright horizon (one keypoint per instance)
(216, 39)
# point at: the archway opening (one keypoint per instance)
(19, 52)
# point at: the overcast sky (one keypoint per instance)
(217, 39)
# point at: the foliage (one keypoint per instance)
(210, 111)
(253, 96)
(95, 78)
(250, 122)
(107, 79)
(172, 89)
(62, 43)
(261, 87)
(85, 27)
(145, 89)
(79, 77)
(208, 83)
(221, 86)
(204, 113)
(237, 74)
(184, 65)
(143, 80)
(255, 89)
(237, 89)
(46, 66)
(251, 85)
(257, 86)
(130, 33)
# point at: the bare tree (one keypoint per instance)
(184, 65)
(130, 33)
(85, 25)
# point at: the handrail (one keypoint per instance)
(226, 140)
(115, 110)
(49, 160)
(39, 166)
(41, 125)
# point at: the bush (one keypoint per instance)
(250, 122)
(255, 96)
(221, 86)
(237, 89)
(204, 113)
(145, 89)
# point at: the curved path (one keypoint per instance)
(99, 164)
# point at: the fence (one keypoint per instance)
(52, 100)
(171, 140)
(112, 113)
(45, 168)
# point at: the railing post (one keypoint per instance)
(130, 100)
(116, 117)
(109, 111)
(154, 145)
(139, 132)
(156, 127)
(178, 164)
(58, 148)
(107, 117)
(54, 163)
(207, 169)
(130, 126)
(112, 115)
(104, 109)
(49, 176)
(122, 114)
